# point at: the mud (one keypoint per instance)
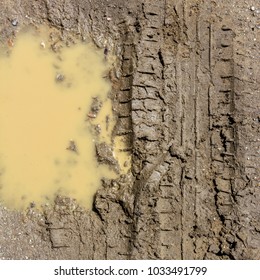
(185, 91)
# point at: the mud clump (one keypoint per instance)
(105, 155)
(95, 107)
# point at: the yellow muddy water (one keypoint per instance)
(47, 145)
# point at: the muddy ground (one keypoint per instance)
(186, 91)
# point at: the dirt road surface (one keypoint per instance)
(186, 92)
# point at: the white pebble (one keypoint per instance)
(42, 44)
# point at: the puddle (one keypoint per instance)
(53, 110)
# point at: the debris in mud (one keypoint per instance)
(107, 122)
(105, 156)
(10, 43)
(14, 22)
(42, 44)
(95, 108)
(106, 51)
(60, 78)
(72, 147)
(97, 129)
(65, 204)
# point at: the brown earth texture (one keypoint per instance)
(185, 90)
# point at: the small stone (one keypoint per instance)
(14, 22)
(91, 115)
(252, 8)
(42, 44)
(98, 128)
(60, 77)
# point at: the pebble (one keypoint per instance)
(252, 8)
(257, 11)
(60, 77)
(14, 22)
(42, 44)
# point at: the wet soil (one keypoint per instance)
(186, 92)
